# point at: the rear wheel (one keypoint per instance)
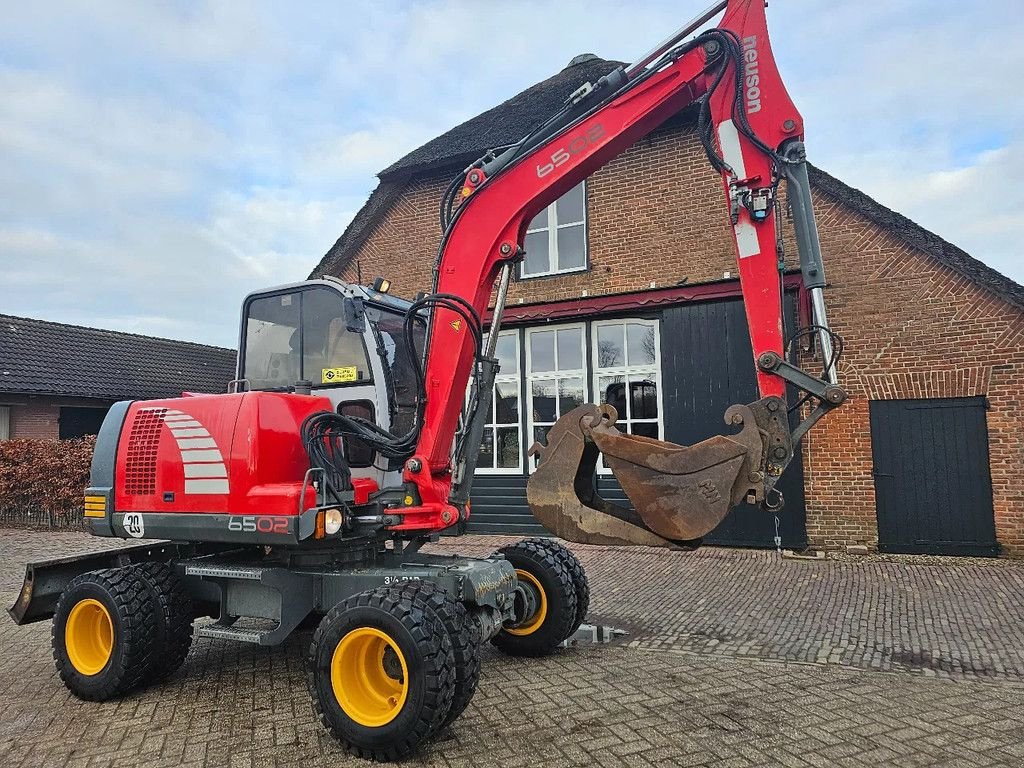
(174, 618)
(381, 671)
(104, 630)
(546, 601)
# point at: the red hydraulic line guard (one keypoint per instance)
(491, 228)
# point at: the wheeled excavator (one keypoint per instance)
(305, 492)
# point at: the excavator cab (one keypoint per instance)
(340, 341)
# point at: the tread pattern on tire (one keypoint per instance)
(465, 636)
(132, 657)
(415, 613)
(174, 633)
(579, 579)
(556, 626)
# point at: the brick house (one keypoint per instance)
(58, 381)
(629, 286)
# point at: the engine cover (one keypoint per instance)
(230, 454)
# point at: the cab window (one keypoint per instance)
(301, 335)
(389, 332)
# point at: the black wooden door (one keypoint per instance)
(933, 491)
(708, 365)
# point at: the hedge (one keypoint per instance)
(42, 482)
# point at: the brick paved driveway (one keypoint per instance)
(733, 658)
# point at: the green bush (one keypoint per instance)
(42, 482)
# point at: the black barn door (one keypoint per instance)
(708, 365)
(933, 491)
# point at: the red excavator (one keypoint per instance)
(348, 439)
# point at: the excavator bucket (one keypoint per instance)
(678, 493)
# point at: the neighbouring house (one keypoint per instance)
(57, 380)
(628, 294)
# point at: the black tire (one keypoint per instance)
(407, 621)
(465, 636)
(532, 560)
(579, 579)
(128, 632)
(174, 618)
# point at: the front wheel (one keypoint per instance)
(545, 600)
(381, 671)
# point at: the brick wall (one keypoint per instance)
(914, 328)
(36, 419)
(38, 416)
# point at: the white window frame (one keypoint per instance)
(5, 422)
(552, 229)
(626, 370)
(531, 376)
(505, 377)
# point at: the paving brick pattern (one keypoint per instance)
(684, 689)
(960, 618)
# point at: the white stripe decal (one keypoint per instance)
(190, 432)
(215, 469)
(729, 141)
(191, 457)
(206, 486)
(201, 459)
(197, 442)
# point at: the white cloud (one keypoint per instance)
(158, 161)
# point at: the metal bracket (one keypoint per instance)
(829, 395)
(758, 201)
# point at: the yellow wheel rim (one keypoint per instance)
(89, 636)
(531, 626)
(363, 671)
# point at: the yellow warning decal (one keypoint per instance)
(338, 375)
(456, 324)
(95, 506)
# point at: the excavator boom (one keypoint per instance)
(752, 134)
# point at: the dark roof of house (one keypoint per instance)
(918, 237)
(506, 123)
(511, 120)
(41, 357)
(501, 126)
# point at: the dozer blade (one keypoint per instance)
(679, 493)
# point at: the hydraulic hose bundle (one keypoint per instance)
(324, 434)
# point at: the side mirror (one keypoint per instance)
(355, 315)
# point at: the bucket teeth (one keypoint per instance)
(678, 493)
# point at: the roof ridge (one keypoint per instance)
(5, 317)
(569, 72)
(920, 238)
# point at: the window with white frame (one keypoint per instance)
(5, 422)
(555, 376)
(501, 446)
(556, 240)
(626, 356)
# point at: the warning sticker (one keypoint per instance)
(338, 375)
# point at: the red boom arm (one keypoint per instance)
(491, 223)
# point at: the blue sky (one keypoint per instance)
(160, 160)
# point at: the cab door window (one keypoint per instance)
(301, 335)
(331, 354)
(272, 342)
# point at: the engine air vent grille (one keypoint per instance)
(143, 440)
